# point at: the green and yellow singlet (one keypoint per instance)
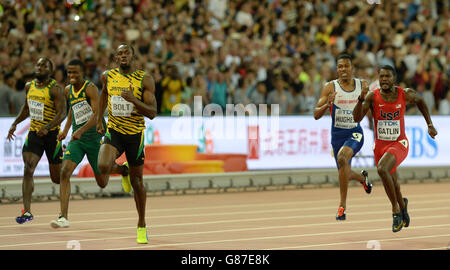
(122, 115)
(81, 110)
(41, 106)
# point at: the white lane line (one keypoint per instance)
(227, 231)
(183, 245)
(359, 242)
(151, 210)
(437, 248)
(33, 225)
(149, 214)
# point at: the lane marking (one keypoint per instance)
(235, 230)
(359, 242)
(290, 236)
(32, 225)
(371, 198)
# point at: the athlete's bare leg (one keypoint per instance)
(106, 163)
(103, 179)
(385, 165)
(398, 193)
(68, 166)
(343, 158)
(30, 160)
(55, 172)
(140, 194)
(356, 176)
(107, 156)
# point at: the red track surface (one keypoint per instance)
(289, 219)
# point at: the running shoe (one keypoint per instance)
(397, 223)
(340, 214)
(62, 222)
(405, 214)
(25, 217)
(126, 184)
(366, 183)
(142, 237)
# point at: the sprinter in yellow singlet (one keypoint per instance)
(46, 106)
(129, 95)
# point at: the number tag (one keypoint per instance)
(36, 109)
(404, 143)
(121, 107)
(357, 136)
(82, 112)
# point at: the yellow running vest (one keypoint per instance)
(122, 115)
(41, 106)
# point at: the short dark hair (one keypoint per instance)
(76, 62)
(388, 67)
(7, 76)
(344, 56)
(128, 45)
(49, 62)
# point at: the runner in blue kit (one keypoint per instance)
(340, 97)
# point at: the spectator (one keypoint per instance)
(199, 91)
(244, 16)
(444, 105)
(6, 90)
(59, 77)
(309, 100)
(280, 95)
(172, 89)
(200, 37)
(219, 91)
(428, 98)
(259, 96)
(186, 95)
(240, 94)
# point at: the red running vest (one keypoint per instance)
(389, 117)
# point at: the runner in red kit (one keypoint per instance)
(388, 105)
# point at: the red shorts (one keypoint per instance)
(398, 148)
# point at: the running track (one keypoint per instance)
(287, 219)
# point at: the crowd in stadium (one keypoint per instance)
(231, 51)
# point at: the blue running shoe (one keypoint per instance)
(25, 217)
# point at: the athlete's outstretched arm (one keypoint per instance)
(413, 98)
(59, 98)
(62, 135)
(148, 107)
(102, 103)
(325, 100)
(23, 114)
(364, 103)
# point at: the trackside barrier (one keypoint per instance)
(216, 182)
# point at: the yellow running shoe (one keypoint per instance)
(142, 237)
(126, 184)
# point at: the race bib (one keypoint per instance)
(344, 119)
(36, 109)
(121, 107)
(82, 112)
(388, 130)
